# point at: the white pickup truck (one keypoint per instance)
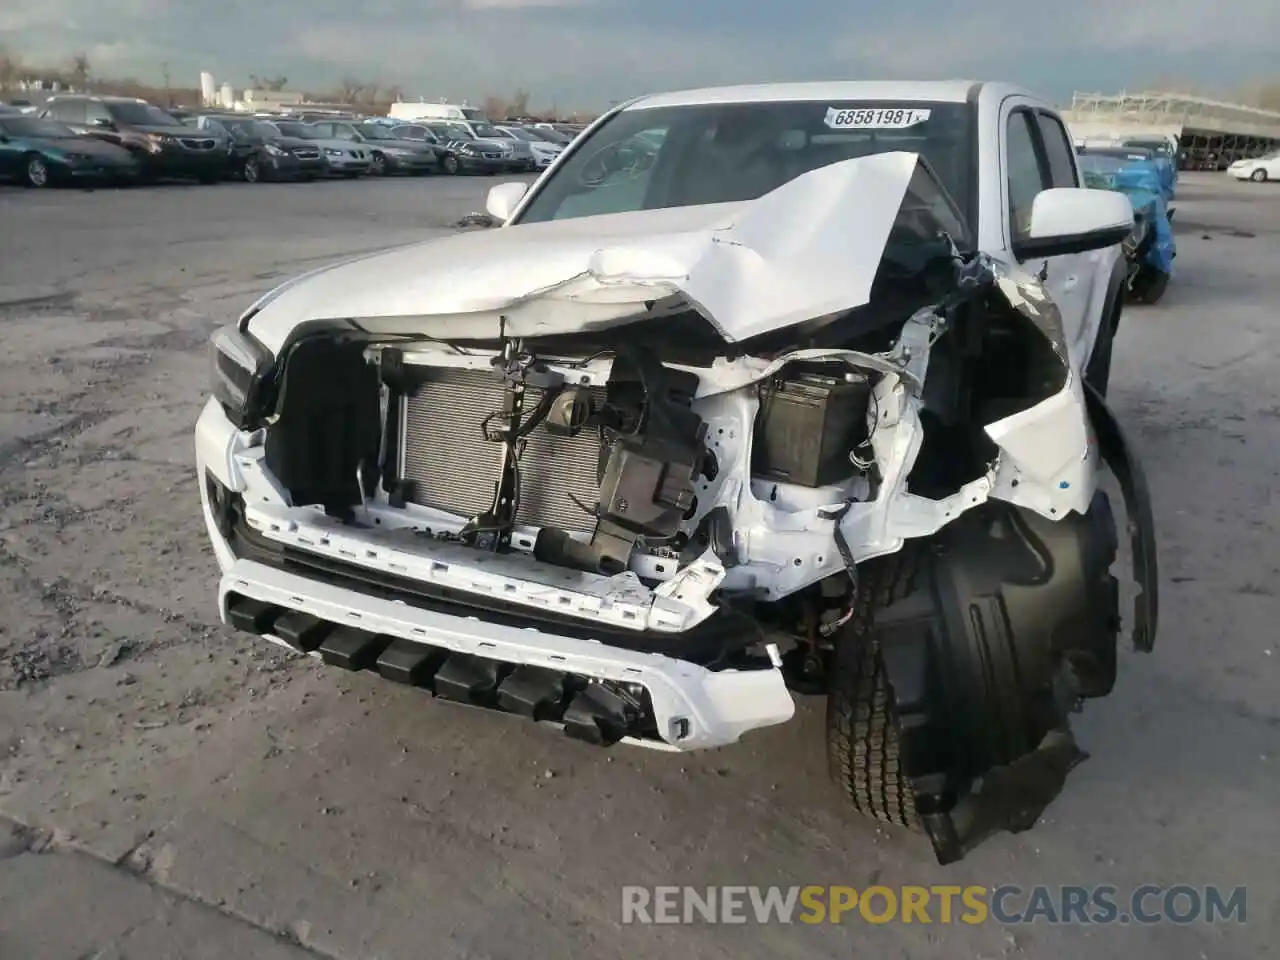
(757, 391)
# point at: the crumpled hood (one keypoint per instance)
(810, 248)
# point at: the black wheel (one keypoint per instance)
(864, 749)
(1258, 176)
(35, 172)
(450, 164)
(378, 165)
(252, 172)
(1149, 286)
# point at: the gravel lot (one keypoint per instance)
(168, 789)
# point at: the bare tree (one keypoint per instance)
(80, 70)
(495, 108)
(276, 83)
(393, 93)
(10, 69)
(350, 90)
(518, 106)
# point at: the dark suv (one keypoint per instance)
(163, 146)
(258, 151)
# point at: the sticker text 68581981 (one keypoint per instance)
(887, 118)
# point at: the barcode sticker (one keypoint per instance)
(890, 118)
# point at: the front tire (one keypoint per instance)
(252, 172)
(378, 165)
(864, 748)
(1258, 176)
(1149, 286)
(450, 164)
(35, 172)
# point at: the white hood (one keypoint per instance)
(810, 248)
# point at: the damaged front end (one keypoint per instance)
(647, 524)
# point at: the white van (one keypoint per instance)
(409, 110)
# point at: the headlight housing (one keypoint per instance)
(238, 364)
(275, 151)
(468, 149)
(329, 152)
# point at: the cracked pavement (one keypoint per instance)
(171, 789)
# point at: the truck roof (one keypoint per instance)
(939, 91)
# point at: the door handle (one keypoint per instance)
(1070, 282)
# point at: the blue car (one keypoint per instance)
(1150, 249)
(1164, 158)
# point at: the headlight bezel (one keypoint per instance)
(275, 151)
(238, 365)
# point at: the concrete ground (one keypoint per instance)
(170, 789)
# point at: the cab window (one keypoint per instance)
(1026, 175)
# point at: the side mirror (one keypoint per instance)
(1067, 220)
(504, 198)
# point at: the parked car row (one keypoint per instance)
(84, 139)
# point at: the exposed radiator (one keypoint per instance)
(452, 467)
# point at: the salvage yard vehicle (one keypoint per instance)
(387, 153)
(259, 152)
(468, 154)
(812, 403)
(42, 153)
(343, 158)
(162, 144)
(1150, 249)
(1259, 169)
(1164, 152)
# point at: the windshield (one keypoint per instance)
(1104, 162)
(451, 131)
(270, 129)
(552, 136)
(291, 128)
(520, 134)
(1155, 146)
(488, 130)
(242, 127)
(374, 131)
(473, 113)
(142, 114)
(34, 127)
(646, 159)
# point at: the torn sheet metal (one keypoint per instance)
(809, 248)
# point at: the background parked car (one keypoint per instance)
(471, 154)
(163, 146)
(541, 151)
(343, 158)
(1150, 249)
(1259, 169)
(41, 153)
(259, 151)
(446, 154)
(387, 153)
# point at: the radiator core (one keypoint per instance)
(452, 467)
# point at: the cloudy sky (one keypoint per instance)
(585, 53)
